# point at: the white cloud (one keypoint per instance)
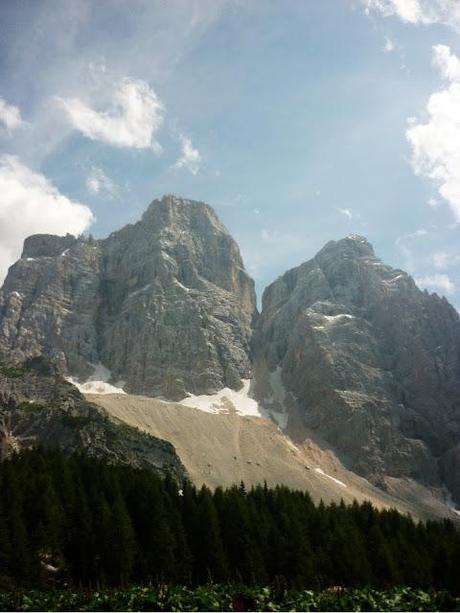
(438, 281)
(346, 212)
(133, 121)
(389, 46)
(98, 183)
(436, 144)
(447, 62)
(30, 204)
(190, 157)
(418, 12)
(10, 116)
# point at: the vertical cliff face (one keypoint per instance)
(165, 304)
(373, 362)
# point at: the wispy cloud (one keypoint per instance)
(436, 144)
(133, 120)
(404, 244)
(98, 183)
(442, 260)
(437, 282)
(190, 157)
(10, 116)
(31, 204)
(346, 212)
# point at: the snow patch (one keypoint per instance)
(218, 402)
(333, 318)
(65, 252)
(98, 382)
(321, 472)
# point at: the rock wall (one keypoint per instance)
(373, 362)
(164, 304)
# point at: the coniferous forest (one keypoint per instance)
(77, 521)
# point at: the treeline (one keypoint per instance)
(75, 520)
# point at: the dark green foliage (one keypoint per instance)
(77, 521)
(231, 597)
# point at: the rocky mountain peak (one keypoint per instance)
(351, 246)
(372, 361)
(176, 212)
(165, 305)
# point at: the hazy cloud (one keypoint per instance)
(346, 212)
(389, 45)
(437, 282)
(98, 183)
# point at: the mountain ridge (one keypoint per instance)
(346, 349)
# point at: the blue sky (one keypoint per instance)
(300, 122)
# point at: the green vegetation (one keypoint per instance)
(13, 372)
(75, 521)
(228, 598)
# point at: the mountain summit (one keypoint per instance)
(162, 307)
(372, 362)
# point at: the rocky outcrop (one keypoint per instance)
(372, 362)
(165, 304)
(39, 408)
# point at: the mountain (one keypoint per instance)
(356, 369)
(368, 362)
(40, 408)
(165, 305)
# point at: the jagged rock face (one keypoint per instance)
(39, 408)
(373, 362)
(165, 304)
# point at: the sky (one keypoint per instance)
(299, 122)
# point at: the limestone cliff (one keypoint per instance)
(372, 361)
(165, 304)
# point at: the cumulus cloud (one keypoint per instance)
(133, 120)
(418, 11)
(437, 282)
(190, 157)
(436, 144)
(98, 183)
(10, 116)
(30, 204)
